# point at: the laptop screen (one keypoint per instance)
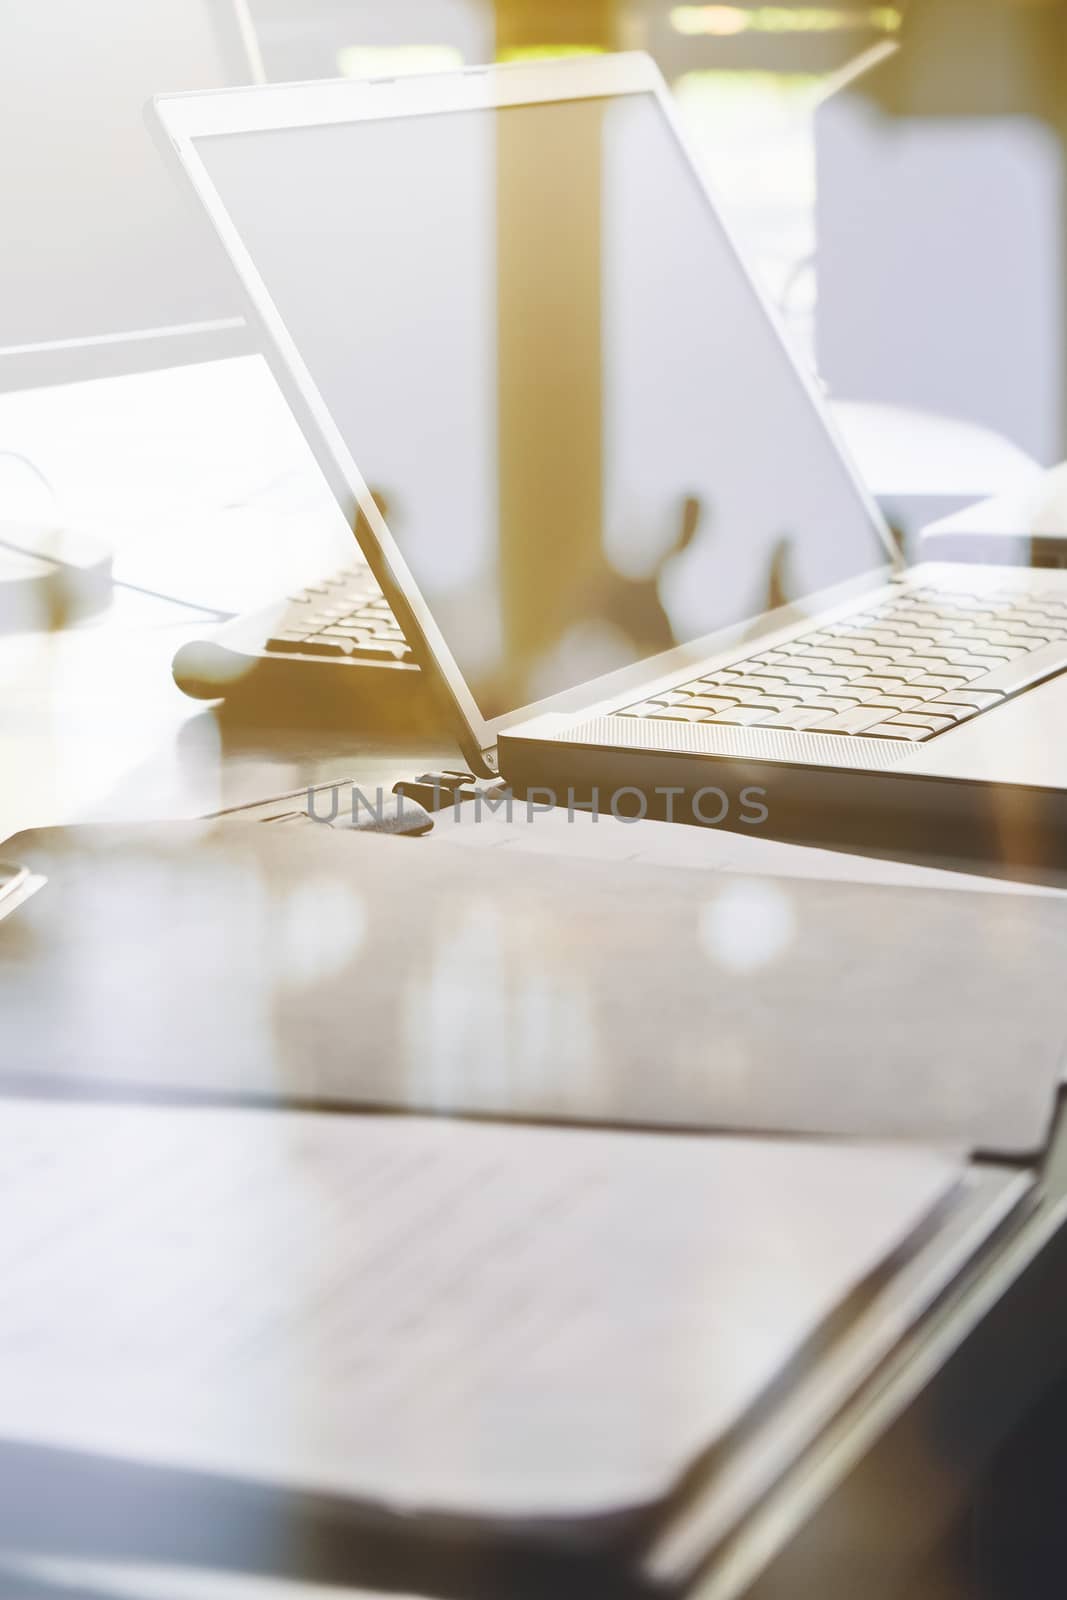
(550, 367)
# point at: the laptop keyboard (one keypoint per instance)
(914, 666)
(344, 615)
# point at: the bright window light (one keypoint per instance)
(397, 61)
(755, 133)
(543, 52)
(719, 21)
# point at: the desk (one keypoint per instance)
(94, 728)
(206, 490)
(202, 483)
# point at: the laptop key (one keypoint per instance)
(897, 671)
(889, 688)
(856, 720)
(943, 675)
(980, 701)
(980, 656)
(289, 642)
(316, 646)
(711, 704)
(877, 638)
(911, 638)
(791, 648)
(920, 719)
(743, 716)
(775, 672)
(871, 659)
(957, 638)
(823, 683)
(817, 636)
(769, 658)
(890, 682)
(674, 714)
(869, 656)
(896, 730)
(849, 640)
(1014, 650)
(802, 664)
(671, 697)
(647, 708)
(917, 611)
(1011, 676)
(783, 702)
(830, 703)
(799, 718)
(755, 683)
(1027, 633)
(725, 688)
(950, 708)
(353, 635)
(800, 671)
(808, 684)
(933, 658)
(895, 702)
(839, 673)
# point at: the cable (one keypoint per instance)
(31, 466)
(154, 594)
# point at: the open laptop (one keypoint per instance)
(611, 514)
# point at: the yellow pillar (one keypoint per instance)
(549, 322)
(531, 24)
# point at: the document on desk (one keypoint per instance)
(580, 835)
(435, 1319)
(312, 967)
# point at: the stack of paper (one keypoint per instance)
(526, 1327)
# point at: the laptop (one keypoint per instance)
(611, 513)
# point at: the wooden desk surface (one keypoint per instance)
(93, 727)
(208, 494)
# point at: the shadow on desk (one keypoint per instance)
(62, 1504)
(224, 735)
(216, 761)
(308, 693)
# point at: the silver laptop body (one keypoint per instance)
(605, 500)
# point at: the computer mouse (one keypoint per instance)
(341, 806)
(391, 813)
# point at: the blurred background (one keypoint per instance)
(896, 171)
(895, 168)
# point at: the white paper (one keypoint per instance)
(578, 835)
(129, 1580)
(491, 1322)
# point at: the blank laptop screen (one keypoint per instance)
(549, 365)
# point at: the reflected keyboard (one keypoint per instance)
(333, 650)
(344, 615)
(909, 668)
